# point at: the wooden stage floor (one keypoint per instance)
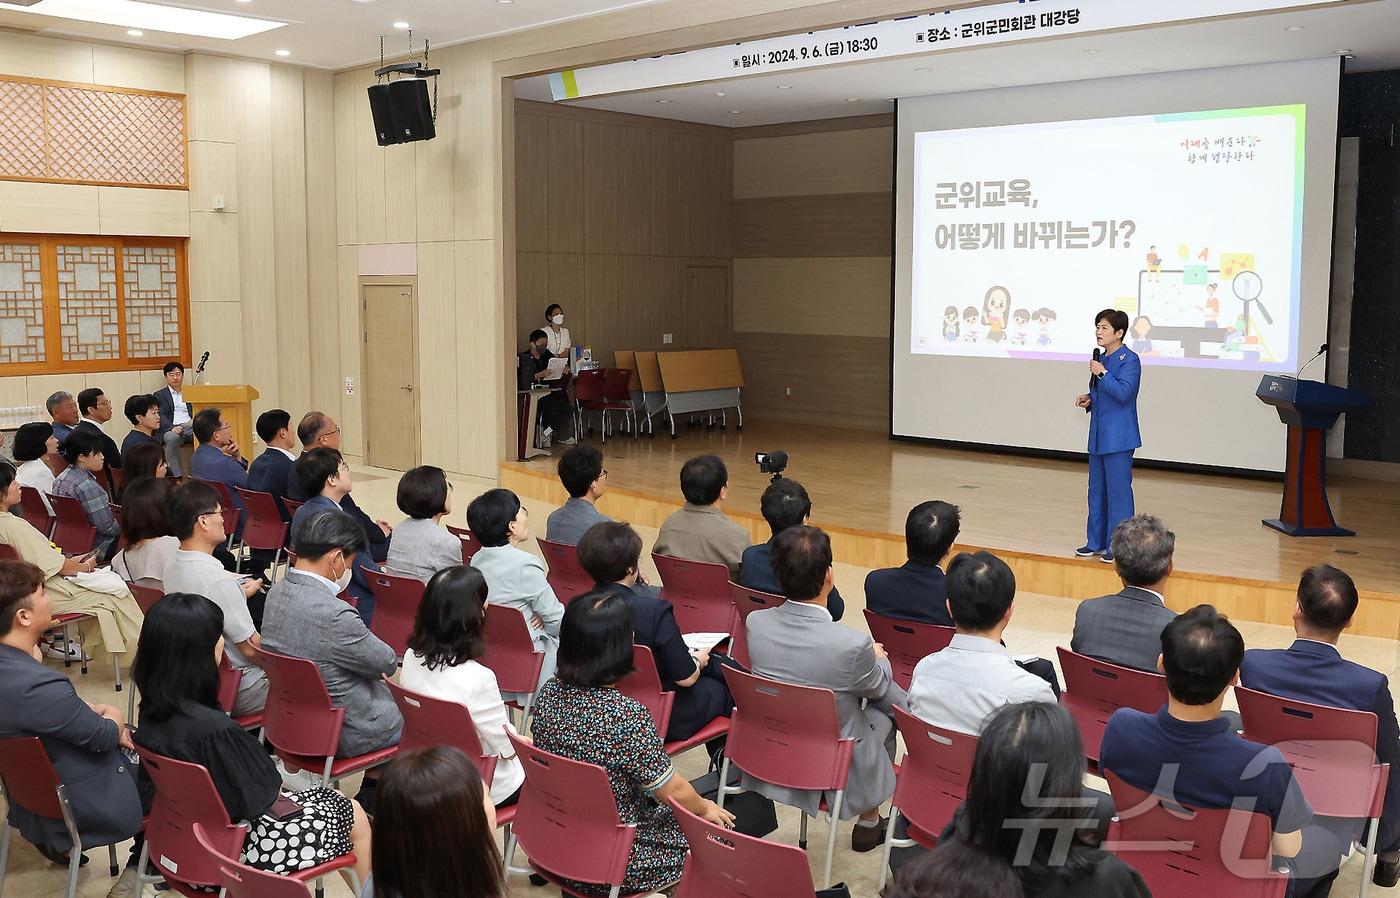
(1030, 511)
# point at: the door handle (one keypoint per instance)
(409, 388)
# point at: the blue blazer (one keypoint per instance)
(1315, 672)
(362, 566)
(1113, 418)
(914, 592)
(268, 474)
(208, 463)
(165, 401)
(756, 572)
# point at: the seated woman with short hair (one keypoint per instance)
(419, 545)
(35, 444)
(83, 452)
(149, 543)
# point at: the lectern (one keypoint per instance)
(235, 401)
(1309, 408)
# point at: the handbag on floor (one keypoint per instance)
(754, 814)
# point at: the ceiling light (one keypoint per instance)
(401, 25)
(719, 93)
(1293, 28)
(663, 101)
(135, 32)
(505, 2)
(140, 16)
(924, 68)
(736, 112)
(853, 99)
(1091, 51)
(1342, 52)
(283, 52)
(784, 87)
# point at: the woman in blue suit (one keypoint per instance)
(1113, 432)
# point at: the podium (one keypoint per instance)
(235, 401)
(1309, 408)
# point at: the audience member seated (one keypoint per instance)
(143, 412)
(1312, 670)
(441, 663)
(305, 618)
(581, 715)
(700, 531)
(956, 870)
(150, 544)
(63, 409)
(176, 416)
(1035, 832)
(916, 590)
(197, 521)
(327, 479)
(318, 431)
(785, 504)
(798, 642)
(145, 461)
(96, 410)
(270, 470)
(583, 475)
(1126, 628)
(555, 414)
(434, 833)
(1188, 753)
(83, 452)
(218, 457)
(35, 444)
(74, 585)
(514, 577)
(81, 738)
(609, 552)
(177, 673)
(420, 546)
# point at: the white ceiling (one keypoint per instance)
(1370, 30)
(332, 33)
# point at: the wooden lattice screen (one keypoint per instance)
(89, 134)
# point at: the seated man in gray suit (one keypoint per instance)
(1126, 628)
(798, 642)
(582, 473)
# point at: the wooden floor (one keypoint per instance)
(1030, 511)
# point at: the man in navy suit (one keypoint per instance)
(176, 416)
(1111, 402)
(318, 430)
(1312, 670)
(784, 504)
(269, 471)
(916, 591)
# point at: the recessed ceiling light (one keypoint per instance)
(719, 93)
(1293, 28)
(505, 2)
(1091, 51)
(924, 68)
(135, 32)
(736, 112)
(853, 99)
(663, 101)
(401, 25)
(283, 52)
(784, 87)
(140, 16)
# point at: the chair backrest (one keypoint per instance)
(699, 593)
(231, 509)
(292, 505)
(147, 591)
(29, 778)
(746, 602)
(906, 642)
(230, 678)
(470, 544)
(723, 863)
(1181, 850)
(185, 798)
(241, 881)
(8, 553)
(934, 774)
(396, 601)
(72, 532)
(566, 576)
(33, 510)
(786, 735)
(429, 721)
(510, 651)
(567, 819)
(588, 385)
(644, 685)
(616, 385)
(1095, 689)
(298, 718)
(263, 527)
(1331, 750)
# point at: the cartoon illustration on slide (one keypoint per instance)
(1154, 264)
(1022, 320)
(1188, 316)
(1211, 308)
(1235, 339)
(971, 322)
(950, 324)
(1043, 317)
(995, 307)
(1142, 326)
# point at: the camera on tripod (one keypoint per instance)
(771, 462)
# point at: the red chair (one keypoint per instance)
(147, 591)
(1179, 849)
(72, 532)
(263, 527)
(511, 655)
(396, 600)
(699, 592)
(788, 736)
(470, 544)
(644, 685)
(302, 725)
(31, 783)
(232, 514)
(566, 576)
(241, 881)
(292, 505)
(747, 601)
(617, 397)
(1095, 689)
(906, 642)
(117, 515)
(725, 864)
(931, 782)
(567, 822)
(588, 395)
(429, 721)
(33, 510)
(1333, 755)
(230, 679)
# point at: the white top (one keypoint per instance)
(286, 452)
(203, 575)
(34, 473)
(558, 343)
(182, 414)
(961, 686)
(473, 685)
(148, 558)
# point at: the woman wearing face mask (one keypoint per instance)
(555, 330)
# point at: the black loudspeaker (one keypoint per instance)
(379, 101)
(411, 110)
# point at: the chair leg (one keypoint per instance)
(889, 849)
(1368, 857)
(4, 848)
(82, 647)
(723, 778)
(835, 820)
(117, 671)
(67, 661)
(112, 860)
(75, 860)
(802, 832)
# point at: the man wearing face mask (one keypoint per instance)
(554, 411)
(326, 478)
(198, 522)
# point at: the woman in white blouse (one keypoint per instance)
(440, 663)
(34, 445)
(555, 331)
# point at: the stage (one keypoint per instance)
(1029, 511)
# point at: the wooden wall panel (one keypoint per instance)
(843, 224)
(433, 171)
(805, 164)
(322, 210)
(131, 67)
(834, 296)
(289, 237)
(565, 186)
(123, 211)
(477, 128)
(249, 92)
(634, 175)
(370, 210)
(49, 208)
(31, 56)
(601, 186)
(345, 89)
(436, 284)
(213, 172)
(531, 184)
(483, 379)
(348, 352)
(839, 381)
(400, 193)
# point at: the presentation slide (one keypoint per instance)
(1198, 202)
(1191, 223)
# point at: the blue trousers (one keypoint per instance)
(1110, 496)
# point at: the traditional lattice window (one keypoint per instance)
(76, 303)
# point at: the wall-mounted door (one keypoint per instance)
(389, 399)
